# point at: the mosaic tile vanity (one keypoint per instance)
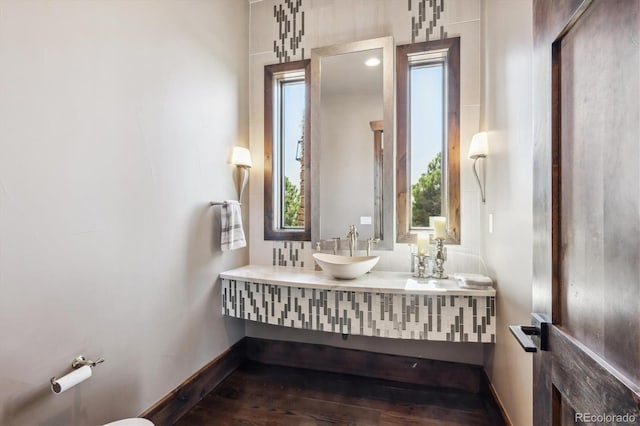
(384, 304)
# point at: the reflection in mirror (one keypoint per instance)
(428, 161)
(351, 99)
(352, 170)
(287, 152)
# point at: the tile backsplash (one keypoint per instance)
(291, 253)
(299, 254)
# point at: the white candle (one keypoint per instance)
(423, 244)
(439, 226)
(432, 218)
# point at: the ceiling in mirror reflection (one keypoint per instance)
(348, 73)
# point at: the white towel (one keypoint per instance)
(232, 235)
(476, 281)
(462, 284)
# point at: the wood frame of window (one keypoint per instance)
(272, 232)
(452, 155)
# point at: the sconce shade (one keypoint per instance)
(241, 157)
(479, 147)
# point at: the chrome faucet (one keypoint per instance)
(371, 241)
(353, 239)
(336, 244)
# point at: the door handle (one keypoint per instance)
(522, 333)
(532, 337)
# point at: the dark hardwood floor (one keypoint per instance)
(259, 394)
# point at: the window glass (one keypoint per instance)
(427, 94)
(291, 143)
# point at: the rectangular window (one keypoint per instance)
(428, 137)
(287, 212)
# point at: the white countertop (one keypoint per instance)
(375, 281)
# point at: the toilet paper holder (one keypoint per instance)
(78, 362)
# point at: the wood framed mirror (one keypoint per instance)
(351, 87)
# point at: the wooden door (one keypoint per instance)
(586, 212)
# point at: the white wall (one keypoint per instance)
(330, 22)
(116, 118)
(508, 116)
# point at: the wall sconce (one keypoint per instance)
(241, 158)
(478, 149)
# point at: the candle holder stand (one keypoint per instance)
(440, 258)
(419, 264)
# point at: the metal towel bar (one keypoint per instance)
(220, 203)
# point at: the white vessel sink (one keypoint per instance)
(345, 267)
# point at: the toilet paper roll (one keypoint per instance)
(70, 380)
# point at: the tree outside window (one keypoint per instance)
(427, 194)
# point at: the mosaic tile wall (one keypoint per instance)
(427, 15)
(290, 253)
(427, 23)
(418, 317)
(289, 17)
